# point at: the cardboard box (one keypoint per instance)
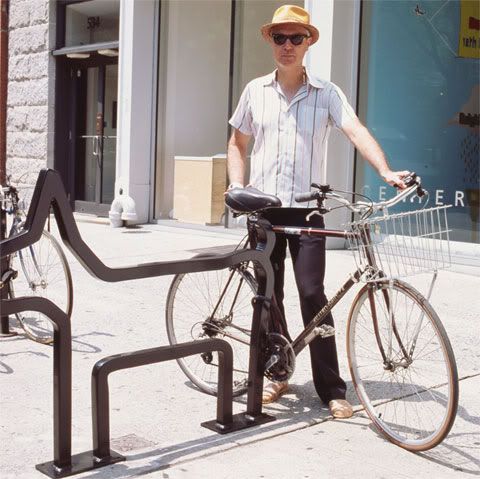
(199, 186)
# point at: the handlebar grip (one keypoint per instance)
(304, 197)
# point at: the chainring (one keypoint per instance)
(279, 351)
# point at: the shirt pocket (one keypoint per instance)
(312, 121)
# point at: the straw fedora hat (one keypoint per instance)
(290, 15)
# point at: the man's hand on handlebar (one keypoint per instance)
(396, 178)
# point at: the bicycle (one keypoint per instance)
(39, 270)
(400, 358)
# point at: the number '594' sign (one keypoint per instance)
(93, 22)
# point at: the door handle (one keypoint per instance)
(95, 150)
(97, 142)
(95, 145)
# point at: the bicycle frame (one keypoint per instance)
(230, 313)
(309, 333)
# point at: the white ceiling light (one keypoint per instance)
(78, 55)
(108, 52)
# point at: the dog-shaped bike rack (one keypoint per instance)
(49, 193)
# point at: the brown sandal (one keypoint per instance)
(340, 408)
(272, 391)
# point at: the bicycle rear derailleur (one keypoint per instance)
(279, 358)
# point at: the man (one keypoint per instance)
(289, 115)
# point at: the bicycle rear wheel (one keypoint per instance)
(212, 304)
(410, 392)
(42, 271)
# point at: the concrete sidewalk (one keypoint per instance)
(156, 414)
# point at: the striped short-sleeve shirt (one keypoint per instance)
(290, 139)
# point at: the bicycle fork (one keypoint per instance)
(393, 332)
(422, 314)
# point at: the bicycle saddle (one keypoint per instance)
(249, 199)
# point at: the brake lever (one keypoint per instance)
(410, 180)
(323, 188)
(312, 213)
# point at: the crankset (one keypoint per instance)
(279, 358)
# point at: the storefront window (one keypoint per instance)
(419, 95)
(195, 83)
(194, 50)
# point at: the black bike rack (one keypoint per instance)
(49, 193)
(5, 330)
(102, 455)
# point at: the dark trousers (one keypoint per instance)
(308, 258)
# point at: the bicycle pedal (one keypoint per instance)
(325, 331)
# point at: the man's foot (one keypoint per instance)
(272, 391)
(340, 408)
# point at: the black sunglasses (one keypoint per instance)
(280, 38)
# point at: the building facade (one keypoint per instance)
(130, 100)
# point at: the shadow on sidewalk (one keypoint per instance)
(6, 369)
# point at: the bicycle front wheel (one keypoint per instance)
(402, 365)
(42, 271)
(212, 304)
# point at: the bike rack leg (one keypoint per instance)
(254, 415)
(4, 263)
(5, 328)
(102, 369)
(5, 331)
(62, 381)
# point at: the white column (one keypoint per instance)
(335, 58)
(136, 103)
(319, 58)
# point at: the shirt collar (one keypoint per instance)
(270, 79)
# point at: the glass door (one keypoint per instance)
(96, 138)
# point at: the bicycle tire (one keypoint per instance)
(190, 304)
(412, 403)
(42, 271)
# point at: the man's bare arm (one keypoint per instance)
(373, 153)
(237, 157)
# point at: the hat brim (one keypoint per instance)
(314, 34)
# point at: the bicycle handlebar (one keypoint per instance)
(412, 181)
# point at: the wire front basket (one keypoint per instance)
(401, 244)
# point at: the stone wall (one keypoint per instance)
(31, 82)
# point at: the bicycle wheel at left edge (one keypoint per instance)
(212, 304)
(42, 271)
